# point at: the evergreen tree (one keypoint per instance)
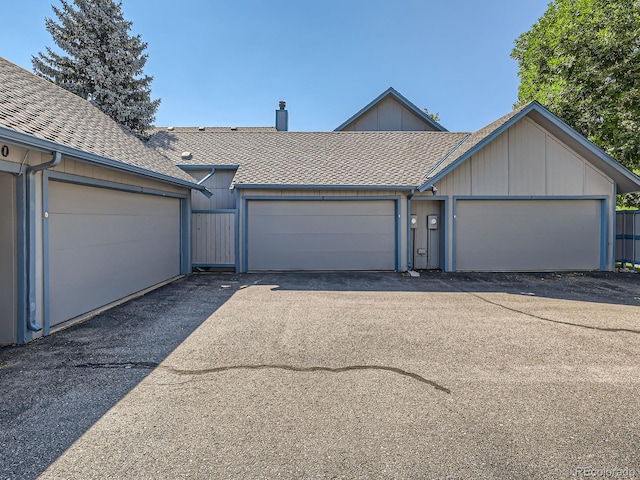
(103, 62)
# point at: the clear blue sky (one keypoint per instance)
(228, 63)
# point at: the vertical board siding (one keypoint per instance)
(388, 115)
(525, 161)
(213, 233)
(565, 170)
(213, 238)
(596, 183)
(490, 168)
(218, 184)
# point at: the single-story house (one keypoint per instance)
(91, 215)
(391, 189)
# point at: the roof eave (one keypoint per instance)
(36, 143)
(312, 186)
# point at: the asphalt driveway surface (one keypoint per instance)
(337, 376)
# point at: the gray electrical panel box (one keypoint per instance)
(432, 222)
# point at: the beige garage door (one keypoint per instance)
(321, 235)
(528, 235)
(105, 245)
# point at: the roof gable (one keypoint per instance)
(412, 118)
(626, 180)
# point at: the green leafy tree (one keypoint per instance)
(433, 116)
(103, 62)
(581, 59)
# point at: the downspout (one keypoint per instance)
(207, 177)
(31, 232)
(409, 243)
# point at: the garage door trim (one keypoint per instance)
(245, 218)
(604, 218)
(48, 175)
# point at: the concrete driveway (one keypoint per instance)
(337, 376)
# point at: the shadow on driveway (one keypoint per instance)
(55, 389)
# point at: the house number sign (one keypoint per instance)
(5, 151)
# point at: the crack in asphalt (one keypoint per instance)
(545, 319)
(136, 365)
(292, 368)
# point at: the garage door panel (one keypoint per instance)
(314, 243)
(320, 207)
(73, 201)
(305, 261)
(528, 235)
(313, 224)
(105, 245)
(321, 235)
(111, 229)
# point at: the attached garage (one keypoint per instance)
(321, 234)
(530, 235)
(106, 244)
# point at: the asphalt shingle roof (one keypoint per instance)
(33, 105)
(312, 158)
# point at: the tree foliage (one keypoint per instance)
(103, 62)
(433, 116)
(582, 61)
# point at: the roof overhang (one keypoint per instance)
(279, 186)
(626, 180)
(32, 142)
